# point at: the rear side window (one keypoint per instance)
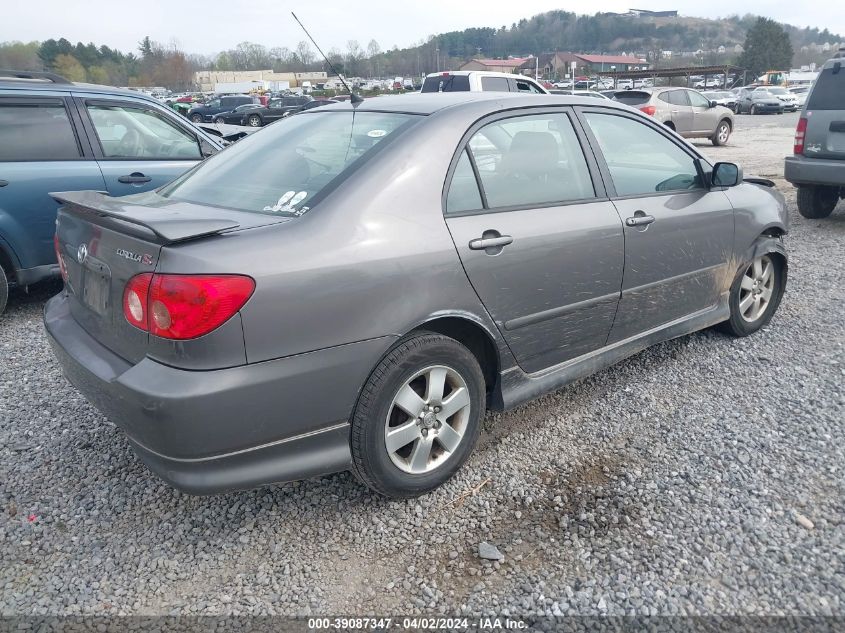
(40, 131)
(678, 97)
(633, 97)
(829, 91)
(446, 83)
(531, 161)
(463, 192)
(495, 84)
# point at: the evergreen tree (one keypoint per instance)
(767, 47)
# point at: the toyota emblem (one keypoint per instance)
(81, 253)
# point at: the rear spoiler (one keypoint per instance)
(166, 223)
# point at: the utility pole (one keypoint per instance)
(437, 52)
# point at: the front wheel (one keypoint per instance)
(196, 118)
(753, 109)
(755, 295)
(418, 416)
(816, 202)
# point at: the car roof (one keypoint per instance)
(430, 102)
(484, 73)
(35, 85)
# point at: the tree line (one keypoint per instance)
(156, 64)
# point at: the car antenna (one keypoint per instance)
(353, 98)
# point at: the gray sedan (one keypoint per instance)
(351, 288)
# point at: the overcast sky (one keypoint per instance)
(209, 26)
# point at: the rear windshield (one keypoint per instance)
(829, 91)
(289, 166)
(446, 83)
(632, 97)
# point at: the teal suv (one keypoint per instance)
(56, 135)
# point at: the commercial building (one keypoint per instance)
(206, 80)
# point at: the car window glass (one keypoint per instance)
(697, 100)
(288, 166)
(664, 97)
(640, 159)
(446, 83)
(127, 132)
(829, 91)
(678, 98)
(463, 191)
(495, 84)
(526, 86)
(214, 103)
(36, 132)
(531, 160)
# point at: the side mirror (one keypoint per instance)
(726, 175)
(713, 104)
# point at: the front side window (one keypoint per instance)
(531, 161)
(39, 131)
(640, 159)
(129, 132)
(697, 100)
(526, 86)
(291, 164)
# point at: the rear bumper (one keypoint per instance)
(801, 170)
(214, 431)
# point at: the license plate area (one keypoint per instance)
(96, 281)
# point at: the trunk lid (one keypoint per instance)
(106, 241)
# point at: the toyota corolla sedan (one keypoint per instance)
(351, 288)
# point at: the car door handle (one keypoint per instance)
(640, 220)
(3, 183)
(134, 178)
(483, 243)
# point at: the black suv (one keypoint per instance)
(206, 111)
(817, 167)
(275, 110)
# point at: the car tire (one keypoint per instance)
(4, 290)
(816, 202)
(723, 133)
(425, 370)
(752, 109)
(196, 118)
(254, 120)
(755, 295)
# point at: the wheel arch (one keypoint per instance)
(474, 336)
(8, 261)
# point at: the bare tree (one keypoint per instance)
(304, 54)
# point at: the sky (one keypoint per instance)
(210, 26)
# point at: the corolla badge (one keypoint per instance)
(135, 257)
(81, 253)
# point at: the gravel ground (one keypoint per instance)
(703, 476)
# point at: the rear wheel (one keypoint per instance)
(723, 133)
(753, 109)
(254, 120)
(4, 290)
(755, 295)
(816, 202)
(418, 416)
(197, 118)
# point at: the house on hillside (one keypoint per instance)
(496, 65)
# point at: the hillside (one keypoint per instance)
(599, 33)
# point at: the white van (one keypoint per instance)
(480, 81)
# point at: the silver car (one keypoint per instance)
(351, 288)
(688, 112)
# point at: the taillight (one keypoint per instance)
(800, 133)
(650, 110)
(184, 306)
(60, 257)
(135, 300)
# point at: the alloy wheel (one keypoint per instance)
(723, 133)
(427, 419)
(254, 121)
(756, 288)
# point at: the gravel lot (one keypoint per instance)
(703, 476)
